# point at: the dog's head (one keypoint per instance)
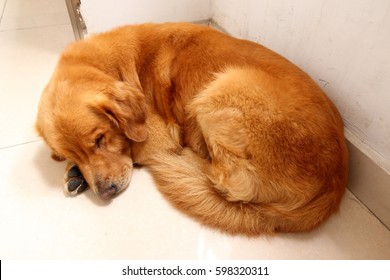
(92, 123)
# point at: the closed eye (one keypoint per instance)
(99, 140)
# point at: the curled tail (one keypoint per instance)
(183, 180)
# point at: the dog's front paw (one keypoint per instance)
(74, 181)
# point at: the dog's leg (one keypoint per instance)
(231, 169)
(194, 138)
(222, 121)
(74, 180)
(175, 132)
(159, 140)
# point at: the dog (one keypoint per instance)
(235, 135)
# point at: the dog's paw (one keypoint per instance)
(74, 181)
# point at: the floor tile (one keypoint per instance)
(20, 14)
(28, 58)
(39, 221)
(2, 6)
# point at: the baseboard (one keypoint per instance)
(369, 183)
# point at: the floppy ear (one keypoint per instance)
(125, 105)
(54, 155)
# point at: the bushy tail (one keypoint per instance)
(183, 180)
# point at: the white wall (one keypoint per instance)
(101, 15)
(344, 45)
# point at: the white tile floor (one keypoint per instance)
(38, 221)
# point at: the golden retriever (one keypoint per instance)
(235, 135)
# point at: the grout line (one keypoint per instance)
(2, 12)
(33, 27)
(20, 144)
(355, 197)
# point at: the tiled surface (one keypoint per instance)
(38, 221)
(19, 14)
(28, 57)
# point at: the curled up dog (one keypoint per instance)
(235, 135)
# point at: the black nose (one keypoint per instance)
(109, 191)
(114, 187)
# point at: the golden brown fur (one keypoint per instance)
(235, 135)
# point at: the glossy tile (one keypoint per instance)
(28, 58)
(38, 221)
(20, 14)
(2, 6)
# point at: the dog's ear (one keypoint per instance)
(125, 105)
(54, 155)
